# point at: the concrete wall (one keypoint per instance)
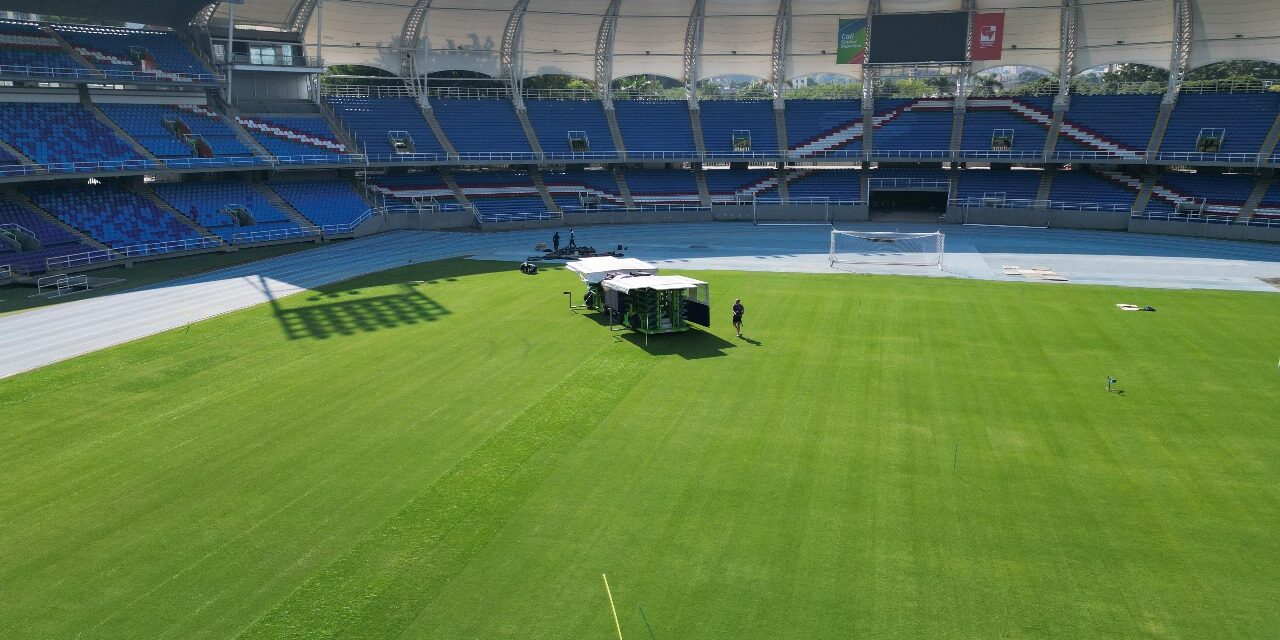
(1104, 220)
(1201, 230)
(791, 213)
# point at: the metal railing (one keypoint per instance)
(1139, 156)
(1195, 156)
(278, 61)
(1264, 222)
(270, 235)
(106, 76)
(1000, 155)
(938, 154)
(908, 183)
(99, 256)
(62, 284)
(1031, 203)
(366, 91)
(6, 271)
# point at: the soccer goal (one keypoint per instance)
(886, 248)
(773, 212)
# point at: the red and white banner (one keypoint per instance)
(988, 36)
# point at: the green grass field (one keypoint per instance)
(462, 457)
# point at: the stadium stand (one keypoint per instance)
(656, 127)
(215, 205)
(482, 127)
(730, 186)
(554, 120)
(372, 120)
(1243, 118)
(817, 127)
(663, 187)
(725, 121)
(502, 196)
(1010, 127)
(1221, 194)
(293, 135)
(1269, 206)
(1077, 189)
(1112, 125)
(54, 240)
(126, 53)
(577, 189)
(1004, 185)
(111, 214)
(833, 185)
(912, 128)
(26, 49)
(323, 202)
(51, 133)
(170, 131)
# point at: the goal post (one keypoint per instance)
(886, 248)
(778, 213)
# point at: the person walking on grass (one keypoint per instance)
(738, 310)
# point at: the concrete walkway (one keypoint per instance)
(40, 337)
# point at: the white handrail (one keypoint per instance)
(98, 256)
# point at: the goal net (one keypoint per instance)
(886, 248)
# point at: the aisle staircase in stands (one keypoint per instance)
(151, 196)
(283, 205)
(21, 199)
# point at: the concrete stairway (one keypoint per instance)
(229, 116)
(154, 198)
(13, 151)
(1260, 188)
(111, 124)
(623, 188)
(1157, 132)
(1046, 184)
(695, 120)
(283, 205)
(704, 194)
(339, 127)
(780, 123)
(615, 132)
(957, 131)
(458, 193)
(445, 142)
(1051, 138)
(522, 115)
(1270, 142)
(536, 177)
(784, 192)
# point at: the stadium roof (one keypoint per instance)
(736, 36)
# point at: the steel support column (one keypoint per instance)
(693, 50)
(604, 53)
(1181, 58)
(781, 42)
(1067, 50)
(511, 57)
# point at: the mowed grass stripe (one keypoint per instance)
(381, 585)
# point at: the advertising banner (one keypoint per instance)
(988, 36)
(851, 41)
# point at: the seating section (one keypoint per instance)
(832, 185)
(576, 189)
(986, 120)
(913, 128)
(722, 118)
(111, 214)
(1108, 123)
(210, 204)
(481, 126)
(1245, 117)
(824, 126)
(293, 135)
(60, 132)
(28, 50)
(663, 187)
(125, 52)
(370, 120)
(552, 121)
(323, 202)
(655, 127)
(1009, 185)
(502, 196)
(1224, 194)
(1269, 207)
(54, 240)
(729, 186)
(1076, 189)
(164, 130)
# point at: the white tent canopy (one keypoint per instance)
(593, 270)
(655, 283)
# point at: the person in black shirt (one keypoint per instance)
(738, 309)
(555, 242)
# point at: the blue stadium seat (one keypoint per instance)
(481, 126)
(502, 196)
(1074, 188)
(656, 128)
(27, 50)
(423, 187)
(1011, 185)
(291, 136)
(817, 127)
(729, 186)
(552, 121)
(913, 128)
(833, 185)
(146, 123)
(570, 188)
(722, 118)
(370, 120)
(1108, 124)
(60, 132)
(663, 187)
(207, 203)
(1224, 194)
(323, 202)
(54, 240)
(1028, 119)
(111, 215)
(126, 52)
(1245, 117)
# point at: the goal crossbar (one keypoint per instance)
(886, 248)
